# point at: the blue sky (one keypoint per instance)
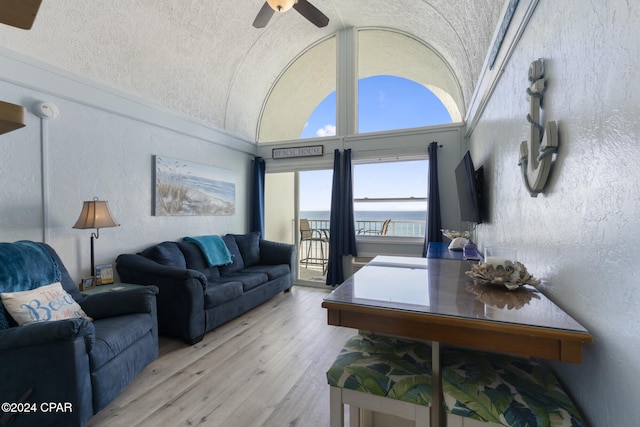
(385, 103)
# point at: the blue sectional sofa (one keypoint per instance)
(65, 371)
(196, 297)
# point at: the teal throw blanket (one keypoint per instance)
(24, 265)
(213, 248)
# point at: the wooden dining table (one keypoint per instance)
(433, 299)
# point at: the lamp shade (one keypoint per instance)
(95, 214)
(281, 5)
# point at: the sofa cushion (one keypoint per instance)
(272, 271)
(166, 253)
(115, 334)
(43, 304)
(249, 280)
(218, 293)
(237, 263)
(249, 245)
(196, 261)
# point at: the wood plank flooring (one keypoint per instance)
(266, 368)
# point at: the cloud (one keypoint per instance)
(326, 130)
(382, 99)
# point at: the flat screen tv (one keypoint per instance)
(469, 182)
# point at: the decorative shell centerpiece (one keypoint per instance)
(510, 275)
(452, 234)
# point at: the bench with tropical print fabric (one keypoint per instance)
(388, 375)
(503, 391)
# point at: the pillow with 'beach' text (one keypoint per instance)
(43, 304)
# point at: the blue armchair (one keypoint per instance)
(79, 364)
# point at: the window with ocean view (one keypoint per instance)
(390, 198)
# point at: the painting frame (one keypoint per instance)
(185, 188)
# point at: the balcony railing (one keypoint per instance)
(314, 254)
(398, 228)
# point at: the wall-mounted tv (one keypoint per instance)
(470, 185)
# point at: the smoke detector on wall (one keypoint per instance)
(46, 110)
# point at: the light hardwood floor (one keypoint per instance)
(266, 368)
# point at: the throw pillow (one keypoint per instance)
(46, 303)
(249, 245)
(237, 263)
(166, 253)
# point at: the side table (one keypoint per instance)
(113, 287)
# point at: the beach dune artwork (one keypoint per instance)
(185, 188)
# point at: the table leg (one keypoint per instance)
(437, 420)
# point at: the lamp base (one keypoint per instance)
(93, 264)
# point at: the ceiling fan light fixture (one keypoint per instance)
(281, 5)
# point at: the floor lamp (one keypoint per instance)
(95, 214)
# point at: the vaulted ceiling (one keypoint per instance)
(205, 60)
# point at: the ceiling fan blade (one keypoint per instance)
(19, 13)
(264, 16)
(312, 13)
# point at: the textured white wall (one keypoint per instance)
(92, 152)
(581, 235)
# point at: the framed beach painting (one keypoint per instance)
(184, 188)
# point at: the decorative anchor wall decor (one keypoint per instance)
(535, 160)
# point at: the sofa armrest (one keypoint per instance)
(180, 299)
(134, 268)
(272, 253)
(130, 301)
(43, 333)
(277, 253)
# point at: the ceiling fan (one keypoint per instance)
(305, 9)
(19, 13)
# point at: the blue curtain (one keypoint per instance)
(347, 218)
(257, 211)
(342, 234)
(434, 220)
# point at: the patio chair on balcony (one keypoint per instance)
(316, 240)
(382, 232)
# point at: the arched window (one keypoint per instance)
(298, 91)
(388, 53)
(307, 86)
